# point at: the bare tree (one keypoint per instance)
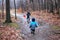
(39, 4)
(22, 5)
(8, 17)
(26, 5)
(32, 2)
(56, 6)
(2, 9)
(15, 9)
(46, 5)
(51, 6)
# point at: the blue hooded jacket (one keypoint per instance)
(33, 25)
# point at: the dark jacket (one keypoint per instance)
(28, 15)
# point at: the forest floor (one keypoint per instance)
(43, 32)
(48, 29)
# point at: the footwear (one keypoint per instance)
(33, 33)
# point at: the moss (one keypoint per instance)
(56, 27)
(15, 25)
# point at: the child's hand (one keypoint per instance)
(29, 27)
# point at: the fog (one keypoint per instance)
(11, 3)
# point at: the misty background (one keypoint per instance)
(32, 4)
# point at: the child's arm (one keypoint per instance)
(36, 24)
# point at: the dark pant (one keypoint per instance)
(32, 31)
(28, 20)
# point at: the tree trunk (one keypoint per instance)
(15, 9)
(8, 17)
(51, 6)
(2, 9)
(26, 5)
(39, 4)
(56, 6)
(33, 5)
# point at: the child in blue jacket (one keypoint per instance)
(33, 25)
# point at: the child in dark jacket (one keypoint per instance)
(28, 17)
(33, 25)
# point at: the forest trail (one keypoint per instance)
(42, 32)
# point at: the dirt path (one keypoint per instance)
(41, 33)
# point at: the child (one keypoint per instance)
(33, 25)
(24, 16)
(28, 16)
